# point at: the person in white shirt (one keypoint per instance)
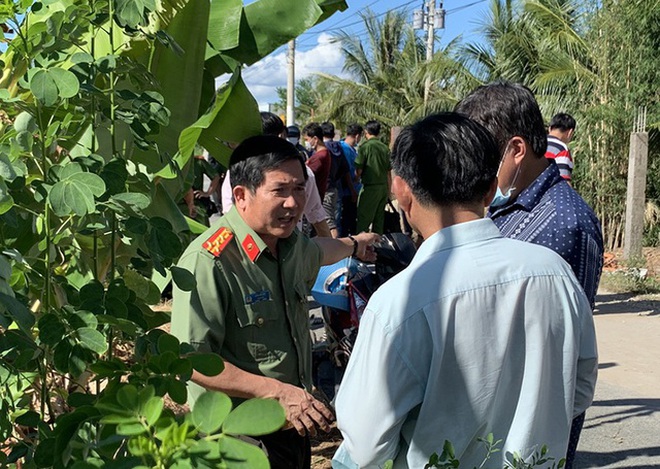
(480, 334)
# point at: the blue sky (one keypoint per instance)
(315, 53)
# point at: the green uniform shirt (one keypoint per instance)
(374, 160)
(248, 306)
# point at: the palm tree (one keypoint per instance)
(386, 71)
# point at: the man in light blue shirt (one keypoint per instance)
(480, 334)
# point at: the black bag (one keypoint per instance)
(392, 219)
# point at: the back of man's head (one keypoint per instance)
(255, 156)
(563, 122)
(271, 124)
(446, 159)
(372, 128)
(507, 110)
(353, 130)
(328, 130)
(313, 129)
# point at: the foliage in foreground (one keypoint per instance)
(102, 104)
(447, 459)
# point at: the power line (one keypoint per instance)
(334, 28)
(362, 31)
(340, 21)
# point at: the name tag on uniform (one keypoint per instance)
(256, 297)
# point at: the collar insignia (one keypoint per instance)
(250, 247)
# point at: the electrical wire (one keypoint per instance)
(362, 31)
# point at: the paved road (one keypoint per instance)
(623, 425)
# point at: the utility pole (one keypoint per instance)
(430, 19)
(291, 83)
(430, 46)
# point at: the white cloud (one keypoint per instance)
(265, 76)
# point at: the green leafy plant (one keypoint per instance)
(448, 460)
(102, 103)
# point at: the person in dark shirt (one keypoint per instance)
(320, 161)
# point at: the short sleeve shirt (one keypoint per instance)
(248, 306)
(374, 161)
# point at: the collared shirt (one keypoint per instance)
(551, 213)
(248, 306)
(472, 338)
(374, 161)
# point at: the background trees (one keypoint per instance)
(595, 60)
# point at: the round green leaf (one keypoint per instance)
(66, 81)
(45, 453)
(25, 122)
(255, 417)
(77, 360)
(127, 397)
(92, 339)
(177, 391)
(51, 329)
(208, 364)
(152, 410)
(92, 291)
(91, 181)
(129, 203)
(43, 87)
(6, 200)
(168, 343)
(61, 356)
(7, 171)
(183, 278)
(131, 429)
(242, 455)
(210, 411)
(182, 367)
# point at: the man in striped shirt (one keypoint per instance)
(560, 135)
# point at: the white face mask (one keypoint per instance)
(293, 140)
(502, 198)
(308, 145)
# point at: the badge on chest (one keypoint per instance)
(257, 297)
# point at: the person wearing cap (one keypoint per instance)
(314, 212)
(293, 136)
(254, 271)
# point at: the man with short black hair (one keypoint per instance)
(560, 134)
(339, 172)
(314, 212)
(320, 162)
(471, 338)
(373, 169)
(350, 189)
(533, 202)
(254, 271)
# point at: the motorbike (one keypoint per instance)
(343, 290)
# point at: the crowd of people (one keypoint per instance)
(348, 190)
(488, 331)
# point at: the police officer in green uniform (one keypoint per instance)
(372, 166)
(254, 271)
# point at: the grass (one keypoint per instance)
(629, 281)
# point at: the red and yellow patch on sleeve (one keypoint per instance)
(216, 243)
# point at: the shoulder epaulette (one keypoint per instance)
(216, 243)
